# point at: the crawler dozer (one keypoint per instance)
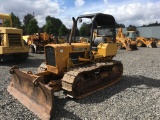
(125, 42)
(142, 41)
(79, 69)
(11, 42)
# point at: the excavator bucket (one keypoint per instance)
(32, 92)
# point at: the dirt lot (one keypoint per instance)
(136, 96)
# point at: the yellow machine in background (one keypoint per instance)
(79, 69)
(37, 41)
(11, 42)
(158, 41)
(125, 42)
(141, 41)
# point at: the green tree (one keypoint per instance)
(32, 27)
(43, 27)
(27, 18)
(6, 23)
(26, 21)
(131, 28)
(152, 24)
(119, 25)
(15, 21)
(77, 32)
(85, 29)
(52, 25)
(63, 31)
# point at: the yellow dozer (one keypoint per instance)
(125, 42)
(79, 69)
(11, 42)
(142, 41)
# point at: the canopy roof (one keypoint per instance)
(5, 16)
(100, 19)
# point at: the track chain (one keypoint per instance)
(69, 77)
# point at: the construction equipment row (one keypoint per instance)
(130, 41)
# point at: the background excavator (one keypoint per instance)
(79, 69)
(125, 42)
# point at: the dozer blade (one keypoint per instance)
(131, 47)
(32, 93)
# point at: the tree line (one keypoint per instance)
(55, 26)
(52, 26)
(30, 25)
(152, 24)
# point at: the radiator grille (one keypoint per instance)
(14, 39)
(50, 56)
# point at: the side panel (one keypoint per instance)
(74, 57)
(12, 50)
(107, 49)
(56, 58)
(50, 56)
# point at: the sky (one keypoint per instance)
(127, 12)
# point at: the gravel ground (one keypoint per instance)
(136, 96)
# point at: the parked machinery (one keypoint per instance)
(11, 42)
(77, 68)
(125, 42)
(142, 41)
(158, 41)
(37, 41)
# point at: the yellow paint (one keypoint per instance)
(62, 52)
(107, 49)
(5, 48)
